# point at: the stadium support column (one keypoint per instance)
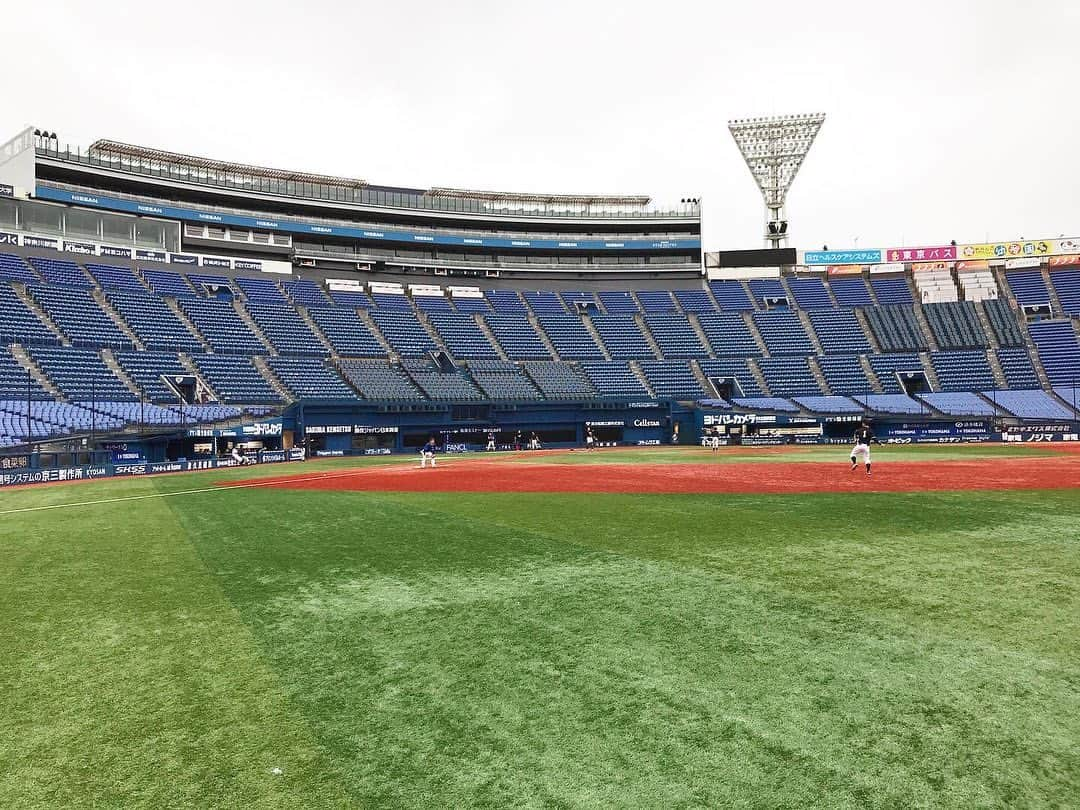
(29, 397)
(774, 149)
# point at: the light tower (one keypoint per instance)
(774, 149)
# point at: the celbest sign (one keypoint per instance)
(842, 257)
(935, 253)
(380, 235)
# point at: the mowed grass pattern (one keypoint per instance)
(495, 650)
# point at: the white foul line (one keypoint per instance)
(220, 488)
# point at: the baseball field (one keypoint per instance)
(665, 627)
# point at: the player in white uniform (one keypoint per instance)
(590, 439)
(863, 436)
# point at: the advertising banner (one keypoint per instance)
(887, 267)
(183, 258)
(83, 248)
(1065, 261)
(6, 190)
(115, 252)
(39, 242)
(842, 257)
(213, 261)
(922, 267)
(1021, 264)
(934, 253)
(845, 269)
(972, 267)
(9, 238)
(1007, 250)
(150, 255)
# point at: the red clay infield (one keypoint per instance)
(468, 475)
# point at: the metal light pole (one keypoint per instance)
(774, 149)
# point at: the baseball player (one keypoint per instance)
(491, 440)
(427, 453)
(590, 439)
(863, 436)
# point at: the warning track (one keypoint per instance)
(1053, 472)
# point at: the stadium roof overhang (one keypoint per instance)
(115, 148)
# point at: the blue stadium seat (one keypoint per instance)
(829, 405)
(789, 376)
(145, 369)
(959, 403)
(887, 366)
(219, 323)
(696, 300)
(558, 380)
(260, 290)
(517, 337)
(572, 341)
(622, 337)
(962, 371)
(618, 302)
(80, 374)
(733, 368)
(1067, 286)
(79, 316)
(839, 331)
(462, 336)
(766, 404)
(614, 378)
(730, 295)
(506, 302)
(15, 268)
(282, 325)
(112, 277)
(892, 290)
(892, 403)
(1030, 404)
(379, 380)
(675, 336)
(728, 334)
(1028, 287)
(469, 304)
(656, 301)
(60, 272)
(441, 385)
(347, 333)
(309, 378)
(844, 374)
(1058, 349)
(169, 284)
(19, 323)
(150, 318)
(235, 379)
(810, 293)
(306, 293)
(502, 380)
(783, 332)
(767, 288)
(352, 299)
(851, 291)
(1018, 369)
(405, 334)
(672, 379)
(544, 302)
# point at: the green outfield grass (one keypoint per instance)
(503, 650)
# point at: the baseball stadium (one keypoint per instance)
(323, 493)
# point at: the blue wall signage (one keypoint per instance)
(380, 235)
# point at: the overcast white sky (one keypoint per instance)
(945, 119)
